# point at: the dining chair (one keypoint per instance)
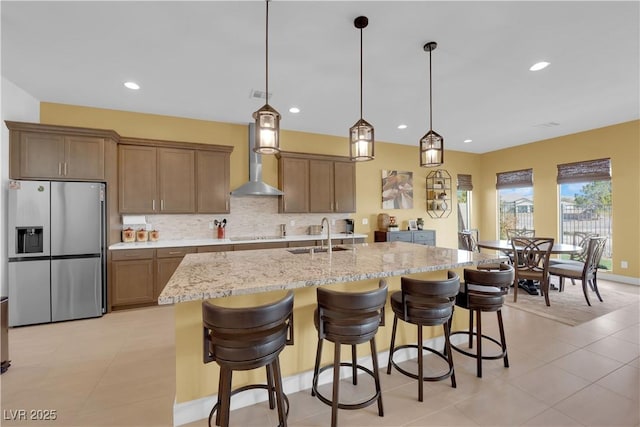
(520, 232)
(579, 238)
(468, 242)
(586, 271)
(531, 262)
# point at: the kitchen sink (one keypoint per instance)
(316, 250)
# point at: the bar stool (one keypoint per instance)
(424, 303)
(484, 290)
(348, 318)
(241, 339)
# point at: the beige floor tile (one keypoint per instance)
(602, 325)
(550, 384)
(501, 405)
(631, 334)
(597, 406)
(587, 365)
(635, 363)
(552, 417)
(624, 381)
(615, 348)
(156, 412)
(450, 416)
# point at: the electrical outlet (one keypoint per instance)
(333, 222)
(210, 225)
(624, 264)
(292, 223)
(365, 221)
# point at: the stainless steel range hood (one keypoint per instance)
(255, 186)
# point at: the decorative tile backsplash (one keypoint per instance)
(250, 216)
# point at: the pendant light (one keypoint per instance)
(361, 134)
(431, 144)
(267, 129)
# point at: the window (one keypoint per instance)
(464, 201)
(515, 200)
(585, 202)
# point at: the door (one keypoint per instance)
(212, 182)
(176, 180)
(345, 187)
(321, 186)
(29, 292)
(84, 157)
(137, 179)
(76, 218)
(41, 155)
(76, 288)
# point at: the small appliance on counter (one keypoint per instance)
(349, 226)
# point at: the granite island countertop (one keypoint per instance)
(229, 241)
(219, 274)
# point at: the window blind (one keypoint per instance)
(464, 182)
(590, 170)
(514, 179)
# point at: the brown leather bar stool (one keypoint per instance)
(484, 290)
(424, 303)
(241, 339)
(348, 318)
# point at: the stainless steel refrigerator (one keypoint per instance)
(56, 234)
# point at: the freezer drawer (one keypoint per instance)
(29, 292)
(76, 288)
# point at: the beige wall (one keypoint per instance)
(621, 143)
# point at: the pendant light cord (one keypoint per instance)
(360, 73)
(430, 95)
(267, 53)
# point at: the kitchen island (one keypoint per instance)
(261, 276)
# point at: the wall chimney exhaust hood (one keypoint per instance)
(255, 186)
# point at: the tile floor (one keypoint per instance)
(118, 370)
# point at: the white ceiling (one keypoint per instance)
(202, 60)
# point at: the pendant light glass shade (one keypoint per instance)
(361, 142)
(432, 143)
(267, 119)
(267, 130)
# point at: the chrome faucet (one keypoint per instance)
(328, 234)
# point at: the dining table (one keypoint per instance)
(506, 247)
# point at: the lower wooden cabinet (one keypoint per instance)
(132, 278)
(138, 276)
(167, 261)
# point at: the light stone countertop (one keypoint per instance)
(219, 274)
(230, 241)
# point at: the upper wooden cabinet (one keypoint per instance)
(293, 179)
(212, 182)
(57, 152)
(316, 183)
(173, 177)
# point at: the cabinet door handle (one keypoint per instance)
(174, 252)
(162, 204)
(60, 168)
(65, 168)
(153, 205)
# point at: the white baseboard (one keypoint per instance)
(620, 279)
(194, 410)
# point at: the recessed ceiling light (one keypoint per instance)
(402, 126)
(294, 110)
(466, 141)
(132, 85)
(539, 66)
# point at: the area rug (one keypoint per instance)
(570, 307)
